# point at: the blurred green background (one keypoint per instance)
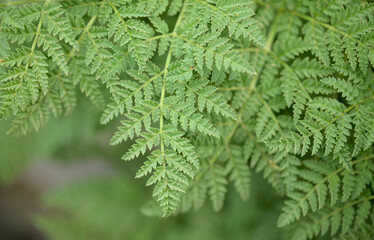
(66, 182)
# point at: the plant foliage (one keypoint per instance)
(282, 86)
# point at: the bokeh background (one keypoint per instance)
(66, 182)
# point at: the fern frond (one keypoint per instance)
(320, 182)
(332, 219)
(235, 15)
(216, 182)
(365, 232)
(208, 89)
(185, 114)
(142, 116)
(239, 170)
(208, 98)
(322, 114)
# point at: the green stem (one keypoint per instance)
(159, 36)
(272, 33)
(35, 40)
(167, 63)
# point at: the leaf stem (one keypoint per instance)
(162, 98)
(167, 63)
(159, 36)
